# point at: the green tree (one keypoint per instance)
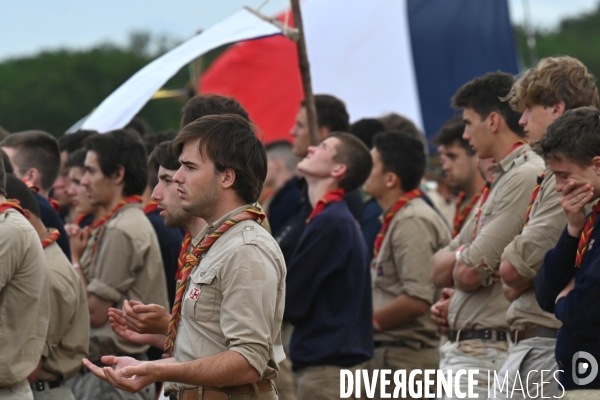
(577, 37)
(54, 89)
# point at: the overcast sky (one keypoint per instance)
(28, 26)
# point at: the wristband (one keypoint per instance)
(458, 251)
(76, 265)
(376, 326)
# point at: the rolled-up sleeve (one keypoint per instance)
(526, 252)
(503, 218)
(250, 282)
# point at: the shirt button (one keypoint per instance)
(248, 228)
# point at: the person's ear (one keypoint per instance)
(391, 180)
(228, 178)
(339, 171)
(558, 109)
(495, 121)
(596, 165)
(119, 175)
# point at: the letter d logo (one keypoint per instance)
(583, 367)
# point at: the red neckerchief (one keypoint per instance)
(185, 245)
(54, 204)
(30, 185)
(586, 233)
(192, 260)
(487, 189)
(534, 195)
(331, 197)
(100, 224)
(124, 202)
(52, 237)
(151, 206)
(11, 204)
(387, 219)
(460, 215)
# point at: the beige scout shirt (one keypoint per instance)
(24, 309)
(403, 266)
(234, 300)
(526, 253)
(127, 265)
(68, 336)
(502, 218)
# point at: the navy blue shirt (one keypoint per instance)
(51, 219)
(169, 241)
(371, 225)
(283, 205)
(289, 236)
(328, 293)
(579, 311)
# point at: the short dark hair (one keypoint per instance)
(282, 149)
(366, 128)
(163, 156)
(452, 133)
(355, 155)
(229, 141)
(36, 149)
(8, 168)
(119, 148)
(484, 95)
(73, 141)
(211, 104)
(403, 155)
(575, 135)
(140, 125)
(400, 123)
(76, 159)
(154, 139)
(331, 113)
(16, 189)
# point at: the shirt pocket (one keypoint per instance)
(199, 303)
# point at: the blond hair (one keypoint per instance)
(552, 80)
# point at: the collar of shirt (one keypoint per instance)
(510, 160)
(215, 225)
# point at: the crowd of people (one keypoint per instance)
(202, 264)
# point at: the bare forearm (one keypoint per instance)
(400, 311)
(513, 292)
(443, 265)
(465, 277)
(224, 369)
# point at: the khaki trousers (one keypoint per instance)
(581, 395)
(86, 386)
(60, 393)
(286, 387)
(473, 354)
(527, 359)
(319, 383)
(401, 358)
(20, 391)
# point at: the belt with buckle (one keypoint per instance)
(483, 334)
(389, 343)
(536, 331)
(40, 386)
(221, 393)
